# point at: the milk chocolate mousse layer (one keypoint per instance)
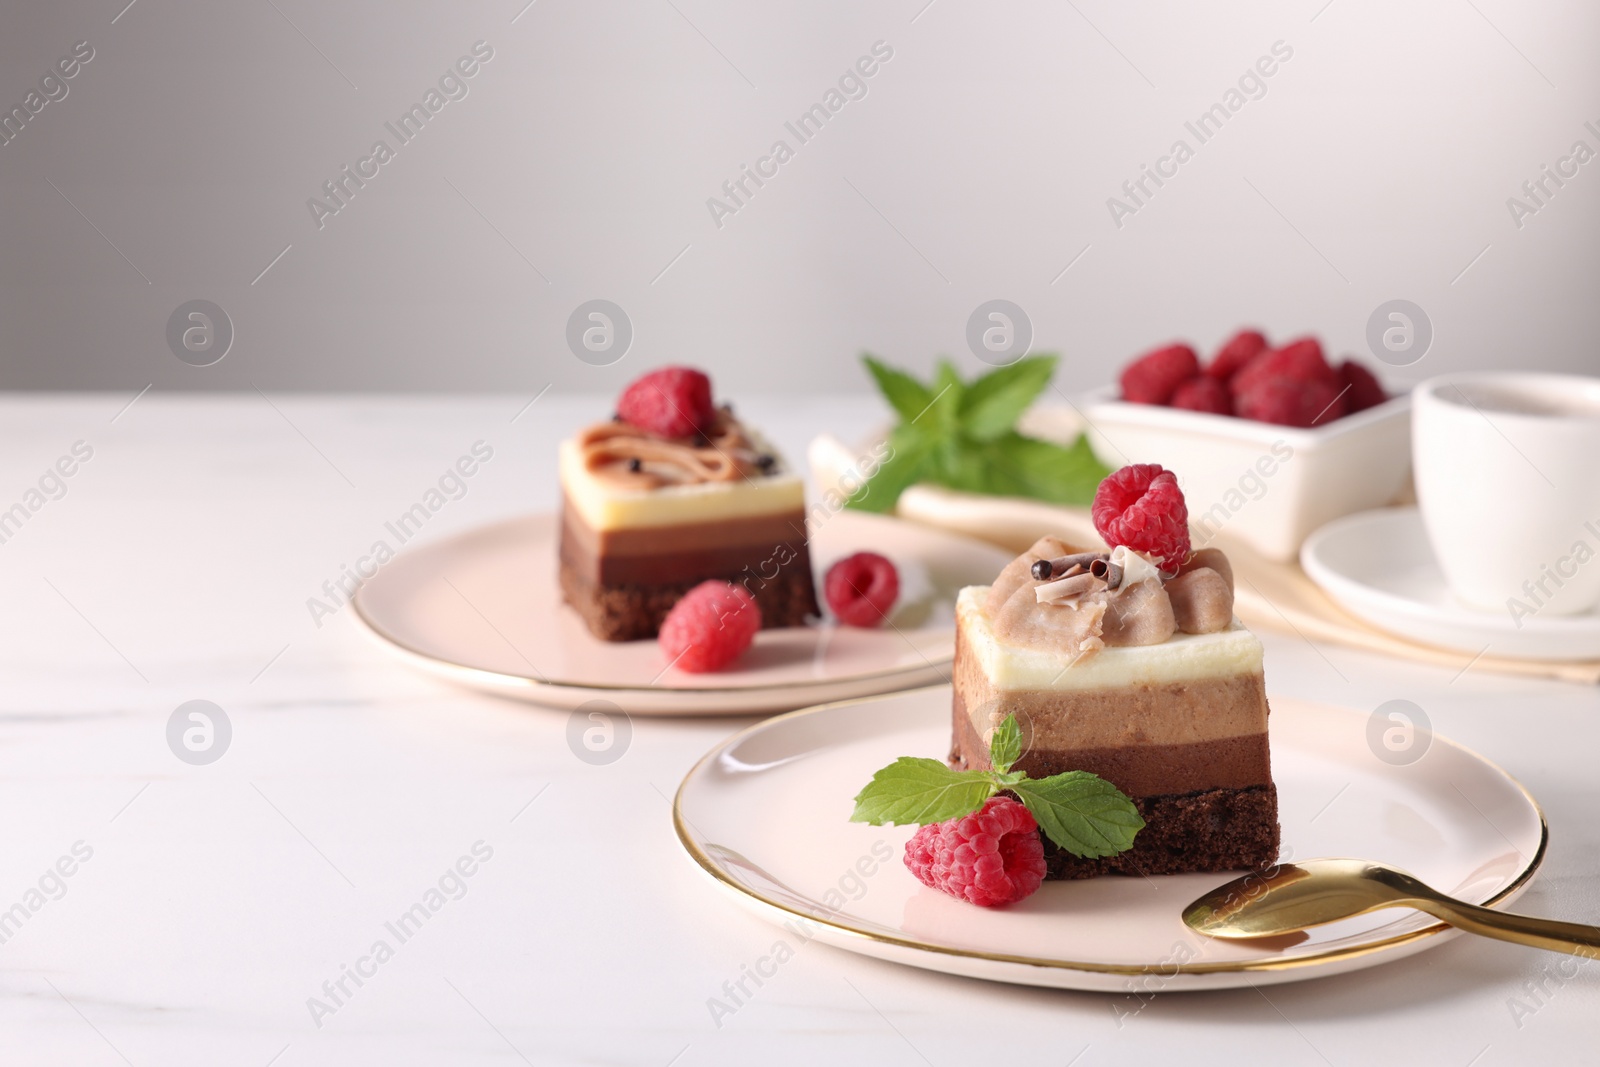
(1138, 768)
(665, 555)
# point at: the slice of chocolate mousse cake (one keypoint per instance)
(668, 494)
(1129, 665)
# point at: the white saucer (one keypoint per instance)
(1379, 567)
(766, 814)
(484, 609)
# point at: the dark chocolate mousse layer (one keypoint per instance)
(635, 612)
(1231, 824)
(624, 582)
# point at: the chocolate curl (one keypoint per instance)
(1046, 569)
(1074, 586)
(1107, 571)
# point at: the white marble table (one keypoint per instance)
(219, 898)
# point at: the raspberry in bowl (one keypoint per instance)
(1269, 439)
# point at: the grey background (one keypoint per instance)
(1377, 166)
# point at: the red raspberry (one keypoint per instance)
(1241, 348)
(1203, 394)
(709, 628)
(670, 402)
(1152, 377)
(861, 589)
(991, 857)
(1288, 402)
(1365, 390)
(1300, 361)
(1142, 507)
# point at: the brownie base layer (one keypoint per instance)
(631, 612)
(1213, 830)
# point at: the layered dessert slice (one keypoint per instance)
(1129, 665)
(672, 492)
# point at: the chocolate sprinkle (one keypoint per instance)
(1045, 569)
(635, 465)
(766, 462)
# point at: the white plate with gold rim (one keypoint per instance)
(484, 609)
(766, 815)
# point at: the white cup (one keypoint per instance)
(1508, 479)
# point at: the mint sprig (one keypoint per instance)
(1005, 744)
(962, 435)
(1081, 812)
(918, 790)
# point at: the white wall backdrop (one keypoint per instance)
(577, 160)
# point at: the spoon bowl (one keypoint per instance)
(1293, 896)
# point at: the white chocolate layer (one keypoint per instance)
(605, 507)
(1185, 657)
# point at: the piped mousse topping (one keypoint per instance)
(1146, 588)
(628, 457)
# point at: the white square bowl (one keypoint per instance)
(1265, 486)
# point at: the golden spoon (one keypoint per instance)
(1292, 896)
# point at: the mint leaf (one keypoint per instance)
(909, 397)
(958, 434)
(909, 462)
(945, 407)
(1042, 470)
(991, 405)
(1014, 465)
(914, 789)
(961, 465)
(1082, 812)
(1005, 745)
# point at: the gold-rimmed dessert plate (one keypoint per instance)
(484, 609)
(766, 816)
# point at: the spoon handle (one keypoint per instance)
(1576, 938)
